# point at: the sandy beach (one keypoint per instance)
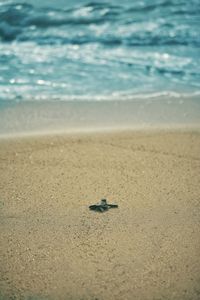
(54, 247)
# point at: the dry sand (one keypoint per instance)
(53, 247)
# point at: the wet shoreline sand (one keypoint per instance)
(41, 117)
(54, 247)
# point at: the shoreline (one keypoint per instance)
(55, 248)
(86, 132)
(76, 116)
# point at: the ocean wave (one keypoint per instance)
(100, 48)
(23, 22)
(154, 96)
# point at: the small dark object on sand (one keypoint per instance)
(103, 206)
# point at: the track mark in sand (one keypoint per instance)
(154, 151)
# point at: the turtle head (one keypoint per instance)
(103, 201)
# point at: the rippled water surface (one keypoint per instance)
(99, 49)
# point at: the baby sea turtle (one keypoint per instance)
(103, 206)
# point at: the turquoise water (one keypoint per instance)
(84, 50)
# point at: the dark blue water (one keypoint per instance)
(99, 49)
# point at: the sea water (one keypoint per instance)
(98, 50)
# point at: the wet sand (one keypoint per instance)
(40, 117)
(54, 247)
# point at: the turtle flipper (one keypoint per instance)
(103, 206)
(98, 207)
(93, 207)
